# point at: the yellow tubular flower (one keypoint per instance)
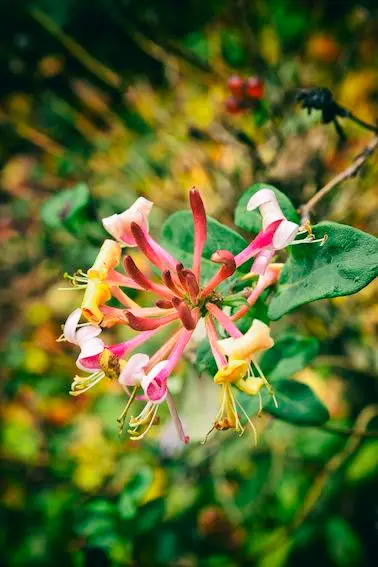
(256, 339)
(250, 386)
(107, 259)
(96, 294)
(232, 372)
(227, 416)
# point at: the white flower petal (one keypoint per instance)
(113, 225)
(70, 326)
(259, 198)
(268, 206)
(133, 372)
(86, 333)
(285, 234)
(118, 225)
(142, 206)
(92, 347)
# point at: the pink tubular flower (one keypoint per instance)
(200, 229)
(277, 232)
(156, 392)
(119, 225)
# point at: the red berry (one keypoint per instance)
(254, 88)
(235, 84)
(232, 105)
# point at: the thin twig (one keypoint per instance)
(350, 171)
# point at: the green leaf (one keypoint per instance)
(297, 404)
(289, 354)
(251, 220)
(197, 43)
(345, 264)
(139, 484)
(232, 47)
(178, 237)
(344, 546)
(149, 516)
(364, 464)
(127, 507)
(260, 114)
(205, 361)
(68, 209)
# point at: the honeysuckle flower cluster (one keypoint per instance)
(178, 302)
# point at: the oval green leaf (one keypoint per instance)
(67, 209)
(345, 264)
(289, 354)
(297, 404)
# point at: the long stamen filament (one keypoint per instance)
(122, 418)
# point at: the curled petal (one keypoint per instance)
(86, 333)
(133, 372)
(119, 350)
(256, 339)
(88, 358)
(285, 234)
(70, 326)
(260, 198)
(119, 226)
(268, 205)
(155, 386)
(234, 371)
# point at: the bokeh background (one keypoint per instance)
(116, 99)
